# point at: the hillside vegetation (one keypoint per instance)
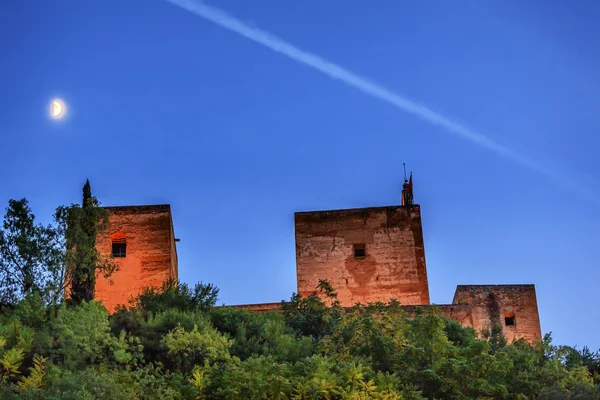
(173, 343)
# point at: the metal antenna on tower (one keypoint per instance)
(404, 165)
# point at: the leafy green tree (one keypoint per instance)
(198, 346)
(257, 334)
(311, 315)
(584, 357)
(31, 256)
(152, 328)
(171, 345)
(81, 224)
(176, 295)
(81, 336)
(83, 384)
(35, 380)
(377, 334)
(11, 362)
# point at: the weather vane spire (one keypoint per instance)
(407, 189)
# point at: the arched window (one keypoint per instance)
(119, 245)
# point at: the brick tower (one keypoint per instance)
(141, 241)
(377, 254)
(366, 254)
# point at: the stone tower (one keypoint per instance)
(141, 241)
(366, 254)
(377, 254)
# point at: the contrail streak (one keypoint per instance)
(334, 71)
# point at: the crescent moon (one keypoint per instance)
(56, 109)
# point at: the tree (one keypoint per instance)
(311, 315)
(176, 295)
(31, 255)
(83, 261)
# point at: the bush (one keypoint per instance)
(173, 347)
(175, 295)
(257, 334)
(81, 337)
(187, 349)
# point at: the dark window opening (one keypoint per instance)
(359, 250)
(509, 320)
(119, 249)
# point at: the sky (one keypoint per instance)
(164, 106)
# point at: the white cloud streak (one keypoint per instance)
(366, 86)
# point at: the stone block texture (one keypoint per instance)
(513, 307)
(390, 266)
(150, 252)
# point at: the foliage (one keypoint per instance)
(173, 343)
(81, 336)
(311, 316)
(35, 380)
(316, 377)
(147, 383)
(174, 295)
(80, 224)
(11, 362)
(257, 334)
(45, 260)
(196, 347)
(169, 347)
(31, 256)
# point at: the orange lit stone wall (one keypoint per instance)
(490, 304)
(151, 252)
(394, 265)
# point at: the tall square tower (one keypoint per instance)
(141, 241)
(366, 254)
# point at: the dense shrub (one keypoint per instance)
(173, 345)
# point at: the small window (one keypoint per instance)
(509, 320)
(359, 250)
(119, 244)
(119, 249)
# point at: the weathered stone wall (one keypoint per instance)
(392, 268)
(492, 304)
(151, 253)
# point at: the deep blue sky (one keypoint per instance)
(165, 107)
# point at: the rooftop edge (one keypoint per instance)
(357, 209)
(140, 208)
